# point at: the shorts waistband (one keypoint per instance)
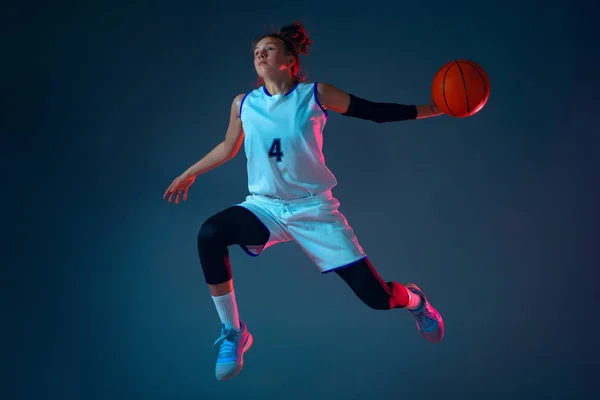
(268, 197)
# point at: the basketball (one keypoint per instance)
(460, 88)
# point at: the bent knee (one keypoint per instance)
(207, 231)
(210, 234)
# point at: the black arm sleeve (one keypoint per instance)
(379, 112)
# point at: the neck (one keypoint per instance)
(279, 86)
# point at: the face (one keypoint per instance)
(270, 57)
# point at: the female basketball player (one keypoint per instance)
(290, 199)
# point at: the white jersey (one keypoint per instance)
(284, 143)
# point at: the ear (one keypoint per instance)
(291, 61)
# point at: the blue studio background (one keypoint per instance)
(494, 216)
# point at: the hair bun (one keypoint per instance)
(296, 34)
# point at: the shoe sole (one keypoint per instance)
(237, 369)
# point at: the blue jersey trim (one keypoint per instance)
(289, 92)
(316, 94)
(242, 103)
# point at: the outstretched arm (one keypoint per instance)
(221, 153)
(225, 150)
(350, 105)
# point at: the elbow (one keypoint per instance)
(229, 150)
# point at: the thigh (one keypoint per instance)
(267, 215)
(325, 236)
(235, 225)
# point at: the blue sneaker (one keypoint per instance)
(234, 343)
(429, 320)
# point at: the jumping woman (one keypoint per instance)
(290, 187)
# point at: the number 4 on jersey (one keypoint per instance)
(275, 150)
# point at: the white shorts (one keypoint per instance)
(314, 223)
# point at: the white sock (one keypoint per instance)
(227, 310)
(414, 300)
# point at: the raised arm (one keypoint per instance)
(350, 105)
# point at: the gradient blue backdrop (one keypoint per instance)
(495, 216)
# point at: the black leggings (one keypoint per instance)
(239, 226)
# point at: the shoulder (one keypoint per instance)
(333, 98)
(236, 105)
(321, 88)
(310, 85)
(325, 88)
(237, 100)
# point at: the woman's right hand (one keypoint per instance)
(180, 185)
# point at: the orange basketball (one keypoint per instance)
(460, 88)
